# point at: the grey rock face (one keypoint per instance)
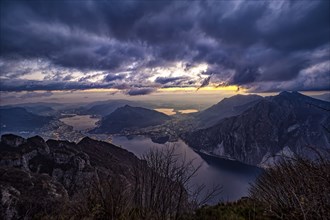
(12, 140)
(44, 175)
(23, 192)
(40, 144)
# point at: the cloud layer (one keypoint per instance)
(139, 46)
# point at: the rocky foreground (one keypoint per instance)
(39, 178)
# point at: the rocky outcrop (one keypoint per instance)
(37, 176)
(12, 140)
(289, 123)
(23, 192)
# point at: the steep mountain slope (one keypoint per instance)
(19, 119)
(324, 96)
(226, 108)
(41, 109)
(284, 124)
(37, 176)
(128, 117)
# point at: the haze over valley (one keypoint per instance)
(198, 135)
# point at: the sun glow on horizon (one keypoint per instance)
(232, 88)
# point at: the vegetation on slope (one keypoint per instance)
(102, 181)
(242, 209)
(296, 189)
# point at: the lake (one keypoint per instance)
(80, 122)
(187, 111)
(172, 111)
(234, 176)
(167, 111)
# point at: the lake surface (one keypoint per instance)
(171, 111)
(187, 111)
(235, 177)
(80, 122)
(167, 111)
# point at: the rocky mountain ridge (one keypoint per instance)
(289, 123)
(38, 175)
(227, 107)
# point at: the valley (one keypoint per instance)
(219, 165)
(234, 177)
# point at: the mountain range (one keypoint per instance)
(248, 128)
(41, 109)
(287, 124)
(19, 119)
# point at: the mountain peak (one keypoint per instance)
(86, 139)
(290, 93)
(297, 97)
(266, 127)
(128, 117)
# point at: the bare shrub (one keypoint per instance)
(296, 188)
(165, 190)
(108, 197)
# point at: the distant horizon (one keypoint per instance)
(204, 98)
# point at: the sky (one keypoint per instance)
(54, 49)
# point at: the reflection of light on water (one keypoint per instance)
(187, 111)
(235, 180)
(80, 122)
(171, 111)
(167, 111)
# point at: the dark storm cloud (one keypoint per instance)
(86, 78)
(111, 77)
(205, 82)
(303, 31)
(248, 43)
(245, 76)
(140, 91)
(238, 28)
(34, 85)
(166, 80)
